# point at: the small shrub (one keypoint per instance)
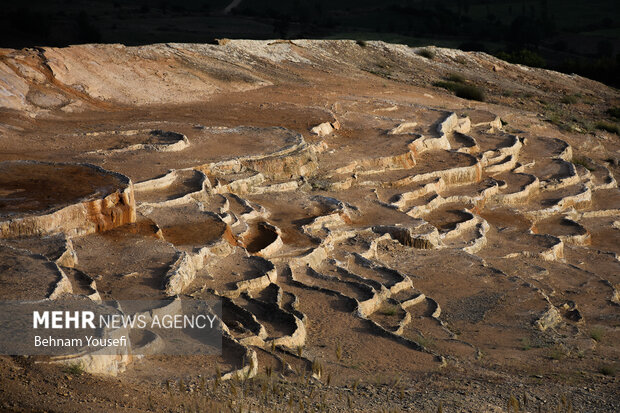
(470, 92)
(451, 86)
(614, 112)
(607, 370)
(557, 116)
(428, 53)
(361, 43)
(389, 309)
(525, 344)
(455, 77)
(426, 342)
(597, 333)
(74, 369)
(460, 60)
(584, 163)
(555, 119)
(556, 353)
(464, 91)
(569, 99)
(609, 127)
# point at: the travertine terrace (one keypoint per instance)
(346, 212)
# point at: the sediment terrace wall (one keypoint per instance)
(85, 217)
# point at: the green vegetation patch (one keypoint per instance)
(614, 112)
(570, 99)
(608, 126)
(75, 369)
(597, 332)
(456, 78)
(461, 89)
(428, 53)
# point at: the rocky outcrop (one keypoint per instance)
(85, 214)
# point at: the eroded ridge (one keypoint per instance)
(381, 235)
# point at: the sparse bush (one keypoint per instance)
(470, 92)
(426, 342)
(460, 60)
(525, 344)
(608, 126)
(451, 86)
(461, 90)
(556, 353)
(428, 53)
(607, 370)
(75, 369)
(569, 99)
(557, 116)
(582, 162)
(455, 77)
(597, 333)
(389, 309)
(614, 112)
(361, 43)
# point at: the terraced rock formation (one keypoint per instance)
(355, 225)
